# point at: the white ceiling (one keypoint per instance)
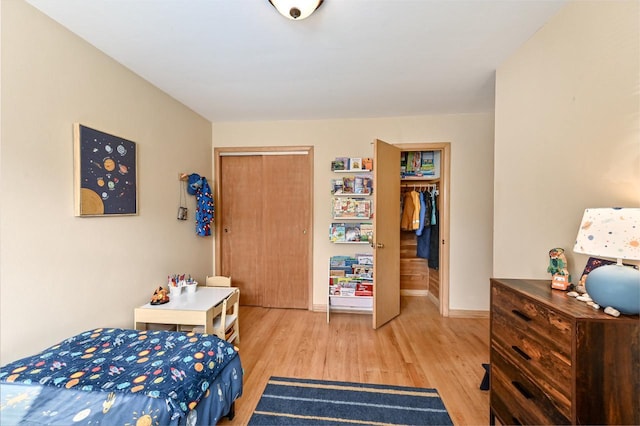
(239, 60)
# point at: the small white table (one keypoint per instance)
(197, 308)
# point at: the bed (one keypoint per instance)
(126, 377)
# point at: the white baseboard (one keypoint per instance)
(319, 308)
(464, 313)
(408, 292)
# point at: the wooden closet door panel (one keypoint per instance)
(286, 231)
(241, 225)
(386, 221)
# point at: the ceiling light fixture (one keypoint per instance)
(296, 9)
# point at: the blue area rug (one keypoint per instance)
(287, 401)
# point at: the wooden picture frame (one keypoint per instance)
(105, 173)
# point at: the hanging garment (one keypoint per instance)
(407, 213)
(434, 246)
(204, 209)
(423, 241)
(423, 213)
(415, 223)
(434, 194)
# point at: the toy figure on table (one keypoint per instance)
(160, 296)
(560, 278)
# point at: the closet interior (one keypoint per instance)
(420, 224)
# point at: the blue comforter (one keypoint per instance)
(171, 371)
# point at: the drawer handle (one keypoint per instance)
(522, 389)
(520, 352)
(521, 315)
(515, 421)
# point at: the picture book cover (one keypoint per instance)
(352, 233)
(363, 184)
(364, 258)
(337, 186)
(427, 166)
(355, 163)
(366, 232)
(337, 232)
(367, 164)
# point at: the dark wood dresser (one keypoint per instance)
(555, 360)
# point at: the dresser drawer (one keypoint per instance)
(517, 400)
(546, 362)
(532, 317)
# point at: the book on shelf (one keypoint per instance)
(364, 289)
(352, 232)
(340, 261)
(363, 184)
(352, 185)
(427, 166)
(364, 259)
(367, 164)
(337, 186)
(337, 273)
(417, 163)
(347, 208)
(337, 232)
(355, 163)
(363, 271)
(414, 161)
(348, 278)
(348, 185)
(341, 163)
(366, 232)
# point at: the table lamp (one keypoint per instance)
(612, 233)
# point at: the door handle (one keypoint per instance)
(379, 245)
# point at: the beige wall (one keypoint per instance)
(567, 133)
(471, 138)
(60, 274)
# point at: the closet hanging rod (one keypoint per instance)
(418, 185)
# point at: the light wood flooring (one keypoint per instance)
(419, 348)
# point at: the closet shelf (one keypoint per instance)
(420, 178)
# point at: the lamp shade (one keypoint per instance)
(612, 233)
(296, 9)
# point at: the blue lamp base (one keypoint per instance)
(617, 286)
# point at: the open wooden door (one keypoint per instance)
(386, 233)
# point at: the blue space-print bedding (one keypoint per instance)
(120, 376)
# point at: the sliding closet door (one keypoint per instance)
(263, 229)
(286, 236)
(239, 211)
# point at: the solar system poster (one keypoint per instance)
(105, 173)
